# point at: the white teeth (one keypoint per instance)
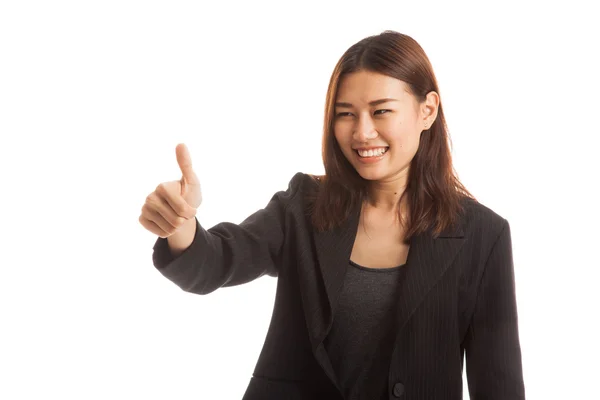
(372, 153)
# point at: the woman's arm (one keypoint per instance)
(493, 351)
(230, 254)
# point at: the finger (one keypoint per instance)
(177, 204)
(156, 204)
(152, 214)
(185, 164)
(153, 227)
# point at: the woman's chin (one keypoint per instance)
(370, 174)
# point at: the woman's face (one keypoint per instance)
(375, 111)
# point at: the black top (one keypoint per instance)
(362, 335)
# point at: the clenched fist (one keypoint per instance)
(173, 203)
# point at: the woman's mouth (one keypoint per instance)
(371, 156)
(372, 152)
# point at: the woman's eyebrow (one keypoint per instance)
(372, 103)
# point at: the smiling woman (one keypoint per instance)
(383, 95)
(393, 122)
(389, 271)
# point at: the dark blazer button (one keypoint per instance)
(398, 390)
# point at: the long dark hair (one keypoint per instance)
(433, 192)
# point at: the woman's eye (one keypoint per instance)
(383, 111)
(347, 114)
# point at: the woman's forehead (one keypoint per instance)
(366, 86)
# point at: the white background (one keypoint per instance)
(95, 95)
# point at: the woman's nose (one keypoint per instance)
(364, 130)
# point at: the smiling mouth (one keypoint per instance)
(372, 154)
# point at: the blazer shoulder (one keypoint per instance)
(299, 184)
(481, 218)
(304, 182)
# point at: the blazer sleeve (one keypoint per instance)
(230, 254)
(493, 351)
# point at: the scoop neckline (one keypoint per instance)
(376, 269)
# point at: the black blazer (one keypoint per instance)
(458, 298)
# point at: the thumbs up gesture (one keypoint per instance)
(173, 203)
(190, 185)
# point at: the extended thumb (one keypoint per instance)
(185, 164)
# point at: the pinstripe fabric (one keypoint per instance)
(458, 298)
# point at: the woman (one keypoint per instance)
(389, 271)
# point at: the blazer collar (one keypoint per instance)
(428, 259)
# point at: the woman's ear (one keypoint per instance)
(429, 109)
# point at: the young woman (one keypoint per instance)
(389, 271)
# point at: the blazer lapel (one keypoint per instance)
(428, 259)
